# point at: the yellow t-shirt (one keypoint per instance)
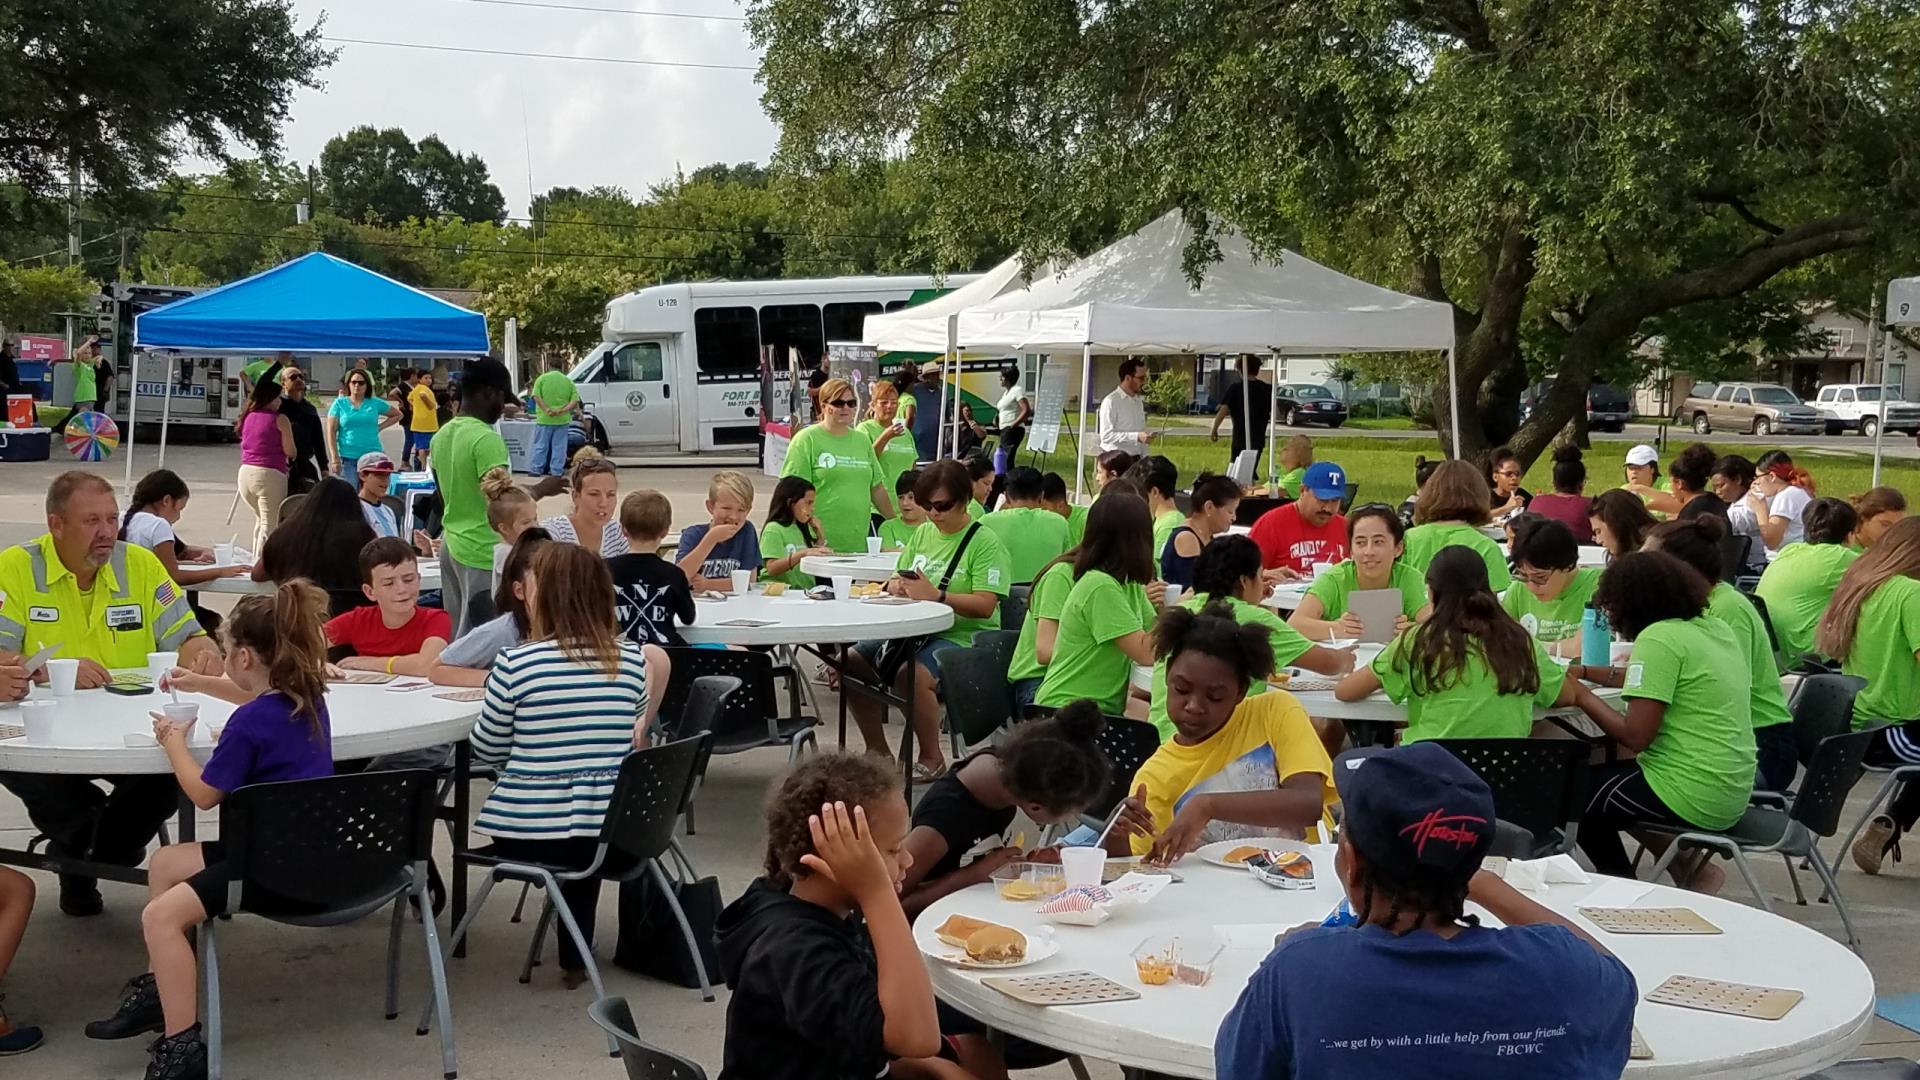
(426, 415)
(134, 607)
(1268, 739)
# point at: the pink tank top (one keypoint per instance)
(260, 441)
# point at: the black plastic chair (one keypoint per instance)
(973, 683)
(327, 852)
(1127, 744)
(1351, 499)
(749, 717)
(1539, 785)
(1759, 605)
(1013, 609)
(637, 833)
(1733, 556)
(1796, 832)
(1510, 841)
(1822, 707)
(643, 1062)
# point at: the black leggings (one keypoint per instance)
(581, 897)
(1621, 799)
(1899, 744)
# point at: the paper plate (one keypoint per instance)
(1040, 946)
(1215, 853)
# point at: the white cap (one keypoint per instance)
(1642, 455)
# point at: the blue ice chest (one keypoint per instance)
(37, 375)
(25, 444)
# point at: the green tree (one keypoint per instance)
(1560, 173)
(124, 90)
(381, 175)
(30, 296)
(559, 304)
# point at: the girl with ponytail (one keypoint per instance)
(276, 666)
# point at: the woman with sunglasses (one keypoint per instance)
(354, 424)
(839, 462)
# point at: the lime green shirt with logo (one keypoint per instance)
(1033, 537)
(897, 458)
(982, 568)
(843, 472)
(1883, 654)
(1470, 705)
(1086, 663)
(975, 511)
(1768, 704)
(552, 393)
(1343, 580)
(464, 450)
(1559, 618)
(1076, 525)
(1163, 527)
(1425, 541)
(1796, 586)
(894, 532)
(1701, 760)
(778, 541)
(1049, 595)
(1288, 645)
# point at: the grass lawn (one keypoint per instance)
(1384, 467)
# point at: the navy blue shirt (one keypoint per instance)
(741, 551)
(1358, 1003)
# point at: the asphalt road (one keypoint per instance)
(1893, 444)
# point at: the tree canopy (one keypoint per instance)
(381, 175)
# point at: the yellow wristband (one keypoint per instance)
(390, 661)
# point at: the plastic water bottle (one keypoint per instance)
(1596, 639)
(1342, 916)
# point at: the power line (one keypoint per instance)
(544, 56)
(608, 11)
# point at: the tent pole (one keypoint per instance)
(1453, 399)
(1879, 429)
(1273, 403)
(166, 416)
(1080, 448)
(133, 404)
(940, 413)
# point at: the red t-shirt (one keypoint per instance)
(363, 629)
(1286, 540)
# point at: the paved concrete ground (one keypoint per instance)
(307, 1003)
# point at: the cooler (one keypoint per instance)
(20, 410)
(25, 444)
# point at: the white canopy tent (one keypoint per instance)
(1133, 297)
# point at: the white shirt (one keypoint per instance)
(148, 530)
(379, 518)
(1123, 419)
(1010, 405)
(612, 540)
(1790, 504)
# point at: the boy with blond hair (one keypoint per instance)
(711, 551)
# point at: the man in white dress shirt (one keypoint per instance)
(1123, 417)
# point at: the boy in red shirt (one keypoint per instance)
(395, 635)
(1310, 530)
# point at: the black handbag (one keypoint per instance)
(895, 652)
(650, 941)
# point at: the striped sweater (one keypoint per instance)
(559, 728)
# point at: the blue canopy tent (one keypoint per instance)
(313, 305)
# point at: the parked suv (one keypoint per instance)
(1758, 407)
(1607, 408)
(1856, 407)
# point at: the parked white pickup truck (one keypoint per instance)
(1856, 407)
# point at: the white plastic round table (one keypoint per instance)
(93, 726)
(858, 567)
(793, 619)
(1170, 1029)
(244, 585)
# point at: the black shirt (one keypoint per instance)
(649, 595)
(950, 809)
(1498, 500)
(806, 991)
(309, 438)
(1260, 399)
(1704, 503)
(9, 373)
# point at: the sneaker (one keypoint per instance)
(178, 1057)
(138, 1013)
(1870, 849)
(17, 1040)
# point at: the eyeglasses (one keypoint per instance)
(843, 403)
(1539, 579)
(1511, 474)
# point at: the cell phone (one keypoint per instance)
(129, 689)
(910, 575)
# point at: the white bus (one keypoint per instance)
(678, 369)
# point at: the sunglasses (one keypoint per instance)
(941, 507)
(843, 403)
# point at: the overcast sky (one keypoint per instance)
(586, 123)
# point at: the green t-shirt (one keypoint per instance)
(897, 458)
(1033, 537)
(86, 380)
(1883, 654)
(1559, 618)
(1086, 662)
(1049, 595)
(983, 568)
(778, 541)
(975, 511)
(1163, 527)
(1768, 704)
(1334, 587)
(1425, 541)
(254, 370)
(894, 532)
(1076, 525)
(1796, 586)
(1288, 645)
(1291, 480)
(1471, 706)
(464, 450)
(843, 472)
(552, 393)
(1701, 760)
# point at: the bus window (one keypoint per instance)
(726, 341)
(896, 305)
(795, 326)
(845, 322)
(638, 361)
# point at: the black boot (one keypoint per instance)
(79, 896)
(138, 1014)
(178, 1057)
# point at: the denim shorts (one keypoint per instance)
(928, 657)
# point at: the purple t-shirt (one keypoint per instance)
(264, 741)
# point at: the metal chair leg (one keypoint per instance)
(437, 976)
(1799, 897)
(210, 974)
(1886, 791)
(436, 996)
(393, 958)
(518, 907)
(539, 942)
(682, 860)
(1079, 1067)
(1825, 873)
(559, 904)
(1746, 871)
(686, 930)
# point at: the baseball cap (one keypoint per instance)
(376, 462)
(1326, 480)
(1414, 808)
(1642, 455)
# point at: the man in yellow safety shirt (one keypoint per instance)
(107, 604)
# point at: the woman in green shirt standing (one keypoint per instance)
(887, 431)
(1107, 618)
(1800, 581)
(1687, 687)
(840, 464)
(791, 534)
(1450, 511)
(1550, 589)
(1873, 626)
(1376, 538)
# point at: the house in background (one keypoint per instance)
(1842, 359)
